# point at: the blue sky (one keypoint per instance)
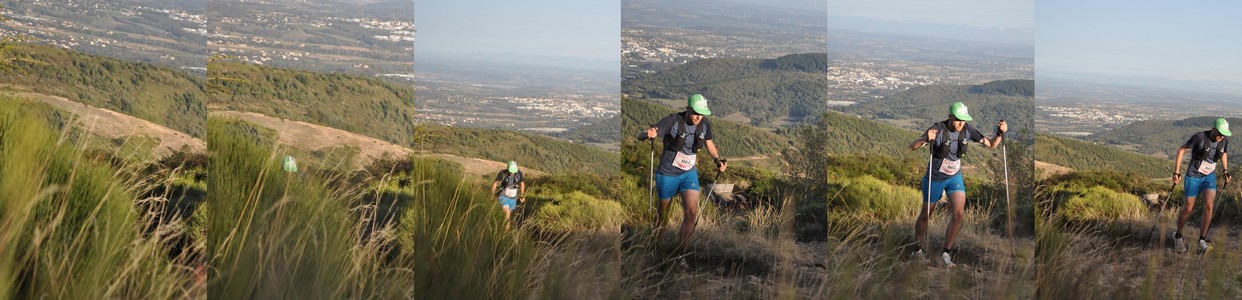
(996, 14)
(555, 32)
(1176, 40)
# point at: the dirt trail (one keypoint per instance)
(111, 124)
(1051, 169)
(311, 137)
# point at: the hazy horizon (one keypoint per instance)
(1174, 45)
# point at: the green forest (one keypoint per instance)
(1009, 100)
(768, 91)
(1156, 137)
(1087, 156)
(168, 97)
(385, 111)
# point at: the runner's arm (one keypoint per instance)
(522, 191)
(1177, 166)
(494, 185)
(922, 140)
(1002, 128)
(1224, 163)
(711, 150)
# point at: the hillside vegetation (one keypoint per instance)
(1086, 156)
(1009, 100)
(385, 111)
(765, 90)
(168, 97)
(536, 151)
(1156, 137)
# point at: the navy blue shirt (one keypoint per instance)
(950, 137)
(668, 127)
(1203, 150)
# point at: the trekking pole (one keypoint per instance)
(1159, 212)
(709, 191)
(651, 180)
(927, 205)
(1008, 206)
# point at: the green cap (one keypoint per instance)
(291, 165)
(513, 166)
(699, 104)
(1222, 126)
(958, 110)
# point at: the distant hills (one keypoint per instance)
(1087, 156)
(852, 135)
(767, 91)
(169, 97)
(600, 132)
(1010, 100)
(1156, 137)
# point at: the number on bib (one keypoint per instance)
(1206, 167)
(684, 161)
(950, 167)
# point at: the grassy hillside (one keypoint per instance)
(364, 105)
(856, 135)
(385, 111)
(1156, 137)
(90, 224)
(532, 150)
(1086, 156)
(765, 90)
(161, 95)
(1010, 100)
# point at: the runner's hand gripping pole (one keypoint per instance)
(1005, 161)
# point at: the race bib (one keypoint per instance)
(950, 167)
(1206, 167)
(685, 162)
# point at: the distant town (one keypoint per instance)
(169, 35)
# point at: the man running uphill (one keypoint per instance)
(512, 189)
(1207, 148)
(948, 141)
(683, 135)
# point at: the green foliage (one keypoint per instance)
(455, 234)
(601, 131)
(158, 94)
(1101, 204)
(856, 135)
(867, 198)
(1085, 156)
(534, 151)
(577, 211)
(284, 235)
(69, 221)
(1156, 137)
(385, 111)
(363, 105)
(765, 90)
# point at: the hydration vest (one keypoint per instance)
(510, 180)
(941, 151)
(1202, 152)
(678, 142)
